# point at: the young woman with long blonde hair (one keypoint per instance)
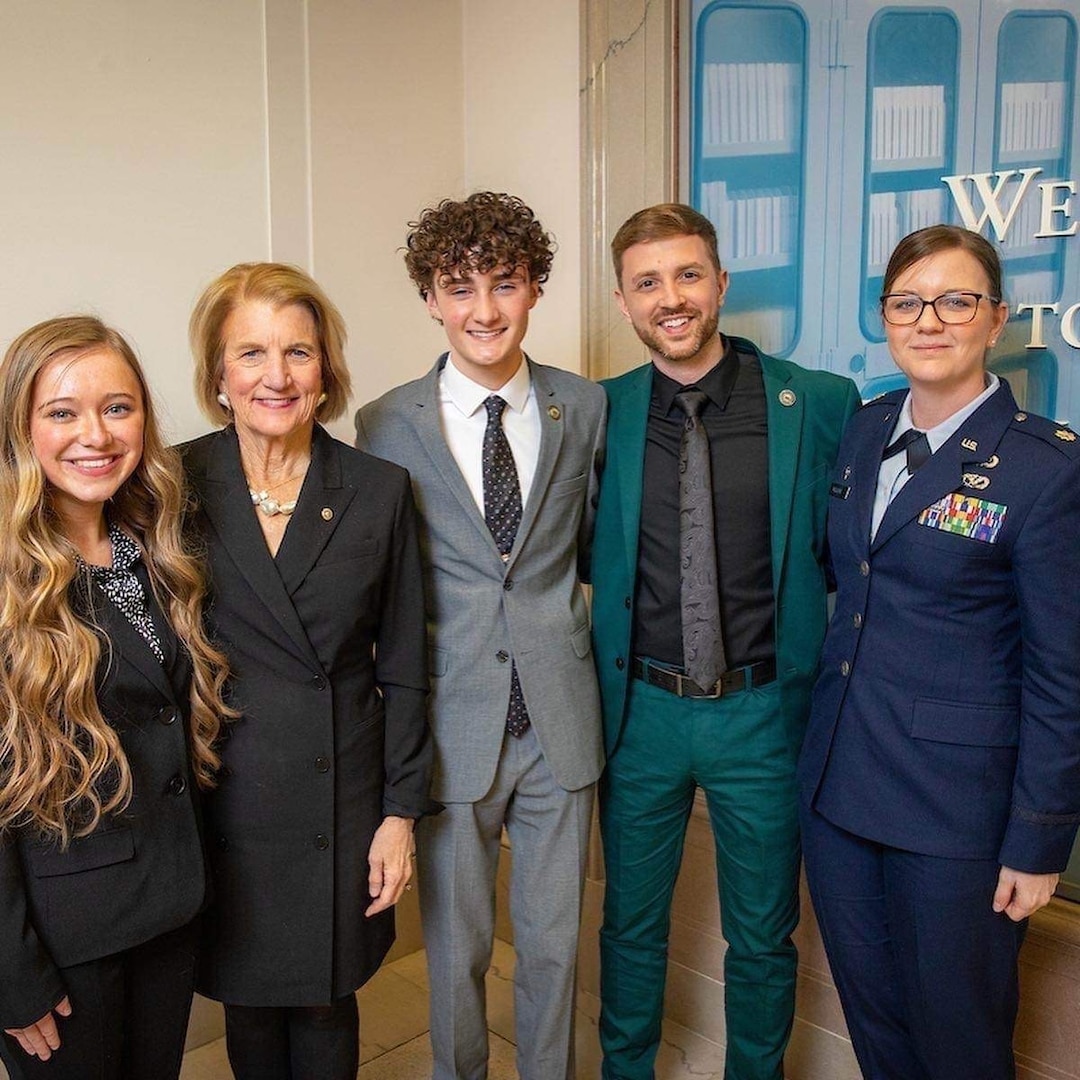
(110, 706)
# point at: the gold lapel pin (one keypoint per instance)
(787, 398)
(554, 412)
(327, 513)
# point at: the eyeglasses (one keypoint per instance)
(953, 308)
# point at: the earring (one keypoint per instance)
(322, 399)
(223, 400)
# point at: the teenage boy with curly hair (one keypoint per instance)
(504, 455)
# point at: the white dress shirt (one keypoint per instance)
(893, 474)
(463, 419)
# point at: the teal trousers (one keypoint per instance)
(741, 751)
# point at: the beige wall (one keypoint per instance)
(146, 145)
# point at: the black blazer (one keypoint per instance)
(141, 872)
(327, 646)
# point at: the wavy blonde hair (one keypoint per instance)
(62, 766)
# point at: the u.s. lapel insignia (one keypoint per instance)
(554, 412)
(991, 463)
(787, 398)
(969, 444)
(976, 481)
(1065, 435)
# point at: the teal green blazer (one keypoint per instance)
(807, 411)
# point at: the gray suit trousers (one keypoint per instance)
(458, 854)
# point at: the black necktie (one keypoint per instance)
(916, 445)
(502, 512)
(703, 644)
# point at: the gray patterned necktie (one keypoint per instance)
(502, 512)
(703, 644)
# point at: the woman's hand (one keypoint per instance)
(42, 1038)
(1020, 895)
(390, 862)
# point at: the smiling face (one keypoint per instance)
(86, 428)
(671, 292)
(485, 316)
(944, 361)
(271, 370)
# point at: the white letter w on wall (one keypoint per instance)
(993, 198)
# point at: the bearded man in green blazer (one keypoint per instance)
(706, 643)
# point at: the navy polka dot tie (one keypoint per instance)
(502, 512)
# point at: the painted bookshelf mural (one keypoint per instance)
(822, 132)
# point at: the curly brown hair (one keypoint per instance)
(487, 230)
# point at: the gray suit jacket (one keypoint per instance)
(482, 611)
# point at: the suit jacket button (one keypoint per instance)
(167, 716)
(857, 619)
(502, 656)
(864, 568)
(319, 682)
(322, 842)
(620, 663)
(223, 843)
(845, 668)
(322, 764)
(508, 584)
(627, 603)
(177, 785)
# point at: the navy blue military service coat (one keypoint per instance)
(946, 718)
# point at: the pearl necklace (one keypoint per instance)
(270, 506)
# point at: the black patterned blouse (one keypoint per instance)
(119, 583)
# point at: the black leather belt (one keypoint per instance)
(731, 682)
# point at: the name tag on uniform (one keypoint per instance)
(839, 491)
(965, 515)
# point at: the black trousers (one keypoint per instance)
(129, 1016)
(302, 1042)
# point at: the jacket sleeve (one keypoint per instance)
(1046, 790)
(30, 984)
(401, 671)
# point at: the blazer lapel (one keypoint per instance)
(425, 421)
(227, 504)
(322, 502)
(128, 643)
(627, 424)
(784, 409)
(552, 425)
(974, 442)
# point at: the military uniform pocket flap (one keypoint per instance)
(965, 725)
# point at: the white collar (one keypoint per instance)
(468, 395)
(938, 436)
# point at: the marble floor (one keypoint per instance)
(393, 1032)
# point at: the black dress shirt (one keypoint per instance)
(735, 420)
